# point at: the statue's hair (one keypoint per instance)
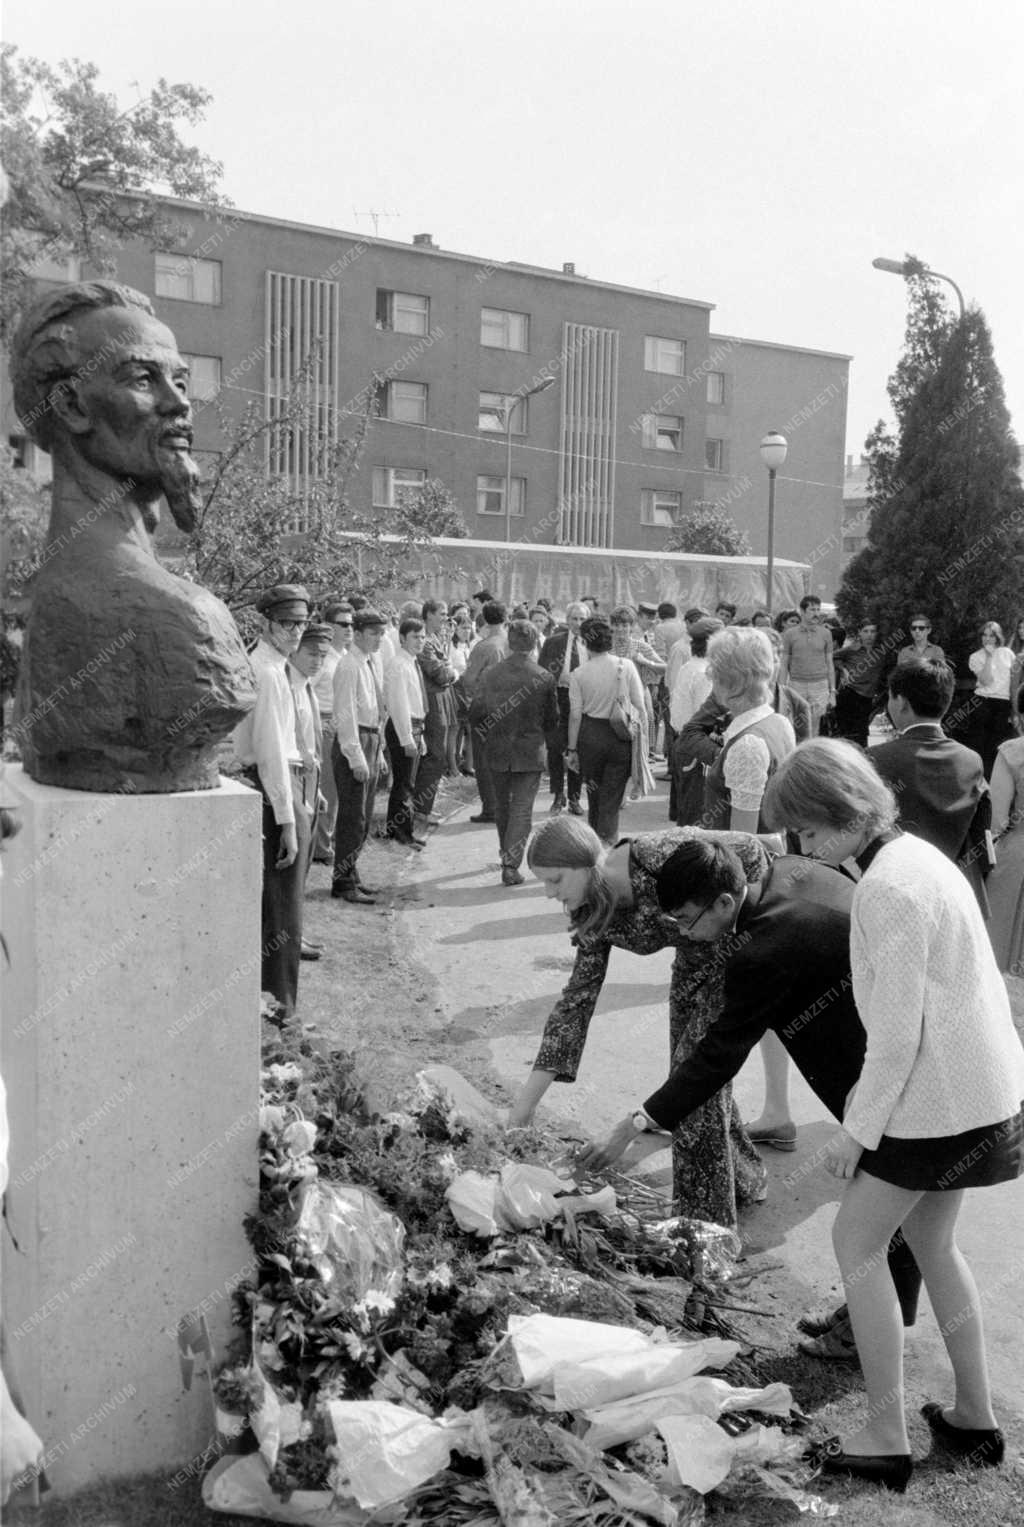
(45, 350)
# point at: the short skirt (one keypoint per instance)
(978, 1158)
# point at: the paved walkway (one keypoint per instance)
(501, 956)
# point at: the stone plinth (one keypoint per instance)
(130, 1051)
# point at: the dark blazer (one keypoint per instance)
(942, 797)
(552, 652)
(512, 709)
(938, 785)
(787, 968)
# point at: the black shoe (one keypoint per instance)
(369, 890)
(408, 840)
(575, 808)
(309, 951)
(483, 818)
(982, 1447)
(511, 876)
(893, 1470)
(353, 893)
(557, 805)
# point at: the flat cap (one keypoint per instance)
(317, 634)
(647, 609)
(283, 594)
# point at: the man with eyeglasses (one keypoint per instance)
(266, 751)
(785, 944)
(338, 615)
(919, 649)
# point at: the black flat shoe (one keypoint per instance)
(983, 1447)
(893, 1470)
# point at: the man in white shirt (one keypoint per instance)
(562, 653)
(358, 723)
(405, 699)
(304, 669)
(338, 615)
(266, 750)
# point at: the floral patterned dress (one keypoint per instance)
(715, 1167)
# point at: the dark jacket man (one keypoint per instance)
(787, 968)
(552, 657)
(511, 712)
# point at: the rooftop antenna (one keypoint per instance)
(376, 213)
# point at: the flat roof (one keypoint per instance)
(512, 267)
(772, 344)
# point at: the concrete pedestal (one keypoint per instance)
(130, 1051)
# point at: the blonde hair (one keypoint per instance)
(567, 843)
(830, 782)
(993, 628)
(740, 659)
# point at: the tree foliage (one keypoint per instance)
(257, 528)
(24, 518)
(79, 167)
(946, 528)
(709, 532)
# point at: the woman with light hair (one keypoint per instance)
(611, 900)
(936, 1109)
(742, 668)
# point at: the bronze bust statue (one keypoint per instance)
(130, 675)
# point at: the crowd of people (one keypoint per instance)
(352, 697)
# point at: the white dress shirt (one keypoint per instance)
(358, 684)
(581, 657)
(691, 688)
(323, 684)
(266, 739)
(404, 695)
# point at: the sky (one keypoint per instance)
(753, 156)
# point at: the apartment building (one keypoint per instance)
(637, 412)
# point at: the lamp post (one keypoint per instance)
(773, 453)
(916, 268)
(511, 404)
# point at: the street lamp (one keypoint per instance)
(916, 268)
(511, 404)
(773, 454)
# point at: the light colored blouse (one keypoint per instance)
(594, 688)
(691, 688)
(998, 686)
(942, 1055)
(748, 762)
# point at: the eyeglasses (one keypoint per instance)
(346, 625)
(687, 927)
(920, 628)
(292, 625)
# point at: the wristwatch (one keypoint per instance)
(642, 1123)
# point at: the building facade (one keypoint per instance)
(637, 413)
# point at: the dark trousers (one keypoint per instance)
(484, 778)
(433, 763)
(355, 808)
(281, 906)
(605, 765)
(557, 742)
(514, 795)
(853, 715)
(403, 777)
(994, 726)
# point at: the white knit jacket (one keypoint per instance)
(942, 1056)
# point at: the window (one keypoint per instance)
(658, 507)
(67, 269)
(716, 387)
(203, 376)
(668, 355)
(390, 482)
(405, 402)
(492, 412)
(490, 495)
(714, 455)
(403, 312)
(188, 280)
(662, 432)
(504, 331)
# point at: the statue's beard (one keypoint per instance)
(179, 483)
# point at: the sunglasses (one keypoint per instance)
(920, 628)
(292, 625)
(346, 625)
